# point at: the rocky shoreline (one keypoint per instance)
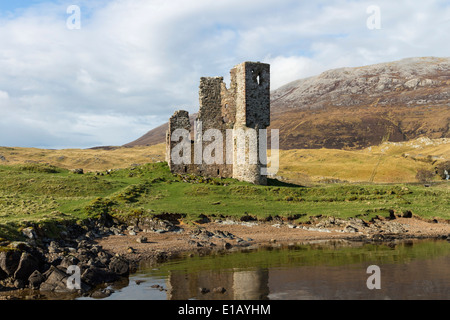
(106, 250)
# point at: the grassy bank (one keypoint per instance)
(48, 196)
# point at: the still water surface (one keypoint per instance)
(323, 270)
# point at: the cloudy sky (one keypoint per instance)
(132, 63)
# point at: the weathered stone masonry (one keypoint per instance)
(243, 106)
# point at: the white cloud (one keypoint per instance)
(4, 95)
(136, 61)
(287, 69)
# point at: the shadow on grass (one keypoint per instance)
(278, 183)
(9, 231)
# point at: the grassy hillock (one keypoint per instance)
(50, 196)
(389, 162)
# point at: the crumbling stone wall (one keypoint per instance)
(179, 120)
(211, 116)
(242, 109)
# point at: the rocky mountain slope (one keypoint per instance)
(353, 108)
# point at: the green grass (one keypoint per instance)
(43, 195)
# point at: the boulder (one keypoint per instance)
(104, 257)
(94, 276)
(27, 265)
(20, 245)
(9, 261)
(407, 214)
(119, 266)
(3, 275)
(56, 281)
(29, 233)
(68, 261)
(35, 279)
(19, 284)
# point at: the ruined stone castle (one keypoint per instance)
(237, 112)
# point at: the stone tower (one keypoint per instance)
(252, 99)
(238, 113)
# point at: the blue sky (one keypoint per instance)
(6, 5)
(134, 62)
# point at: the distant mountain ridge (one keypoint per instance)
(353, 108)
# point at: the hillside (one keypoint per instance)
(354, 108)
(388, 163)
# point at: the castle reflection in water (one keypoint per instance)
(239, 285)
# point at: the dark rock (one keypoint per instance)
(94, 276)
(100, 294)
(54, 247)
(116, 231)
(106, 220)
(202, 219)
(407, 214)
(19, 284)
(29, 233)
(27, 265)
(9, 261)
(162, 256)
(3, 275)
(54, 260)
(227, 245)
(78, 171)
(228, 235)
(20, 245)
(247, 218)
(392, 215)
(243, 243)
(219, 290)
(351, 228)
(203, 290)
(69, 261)
(56, 281)
(104, 257)
(141, 239)
(119, 266)
(35, 279)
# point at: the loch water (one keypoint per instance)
(323, 270)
